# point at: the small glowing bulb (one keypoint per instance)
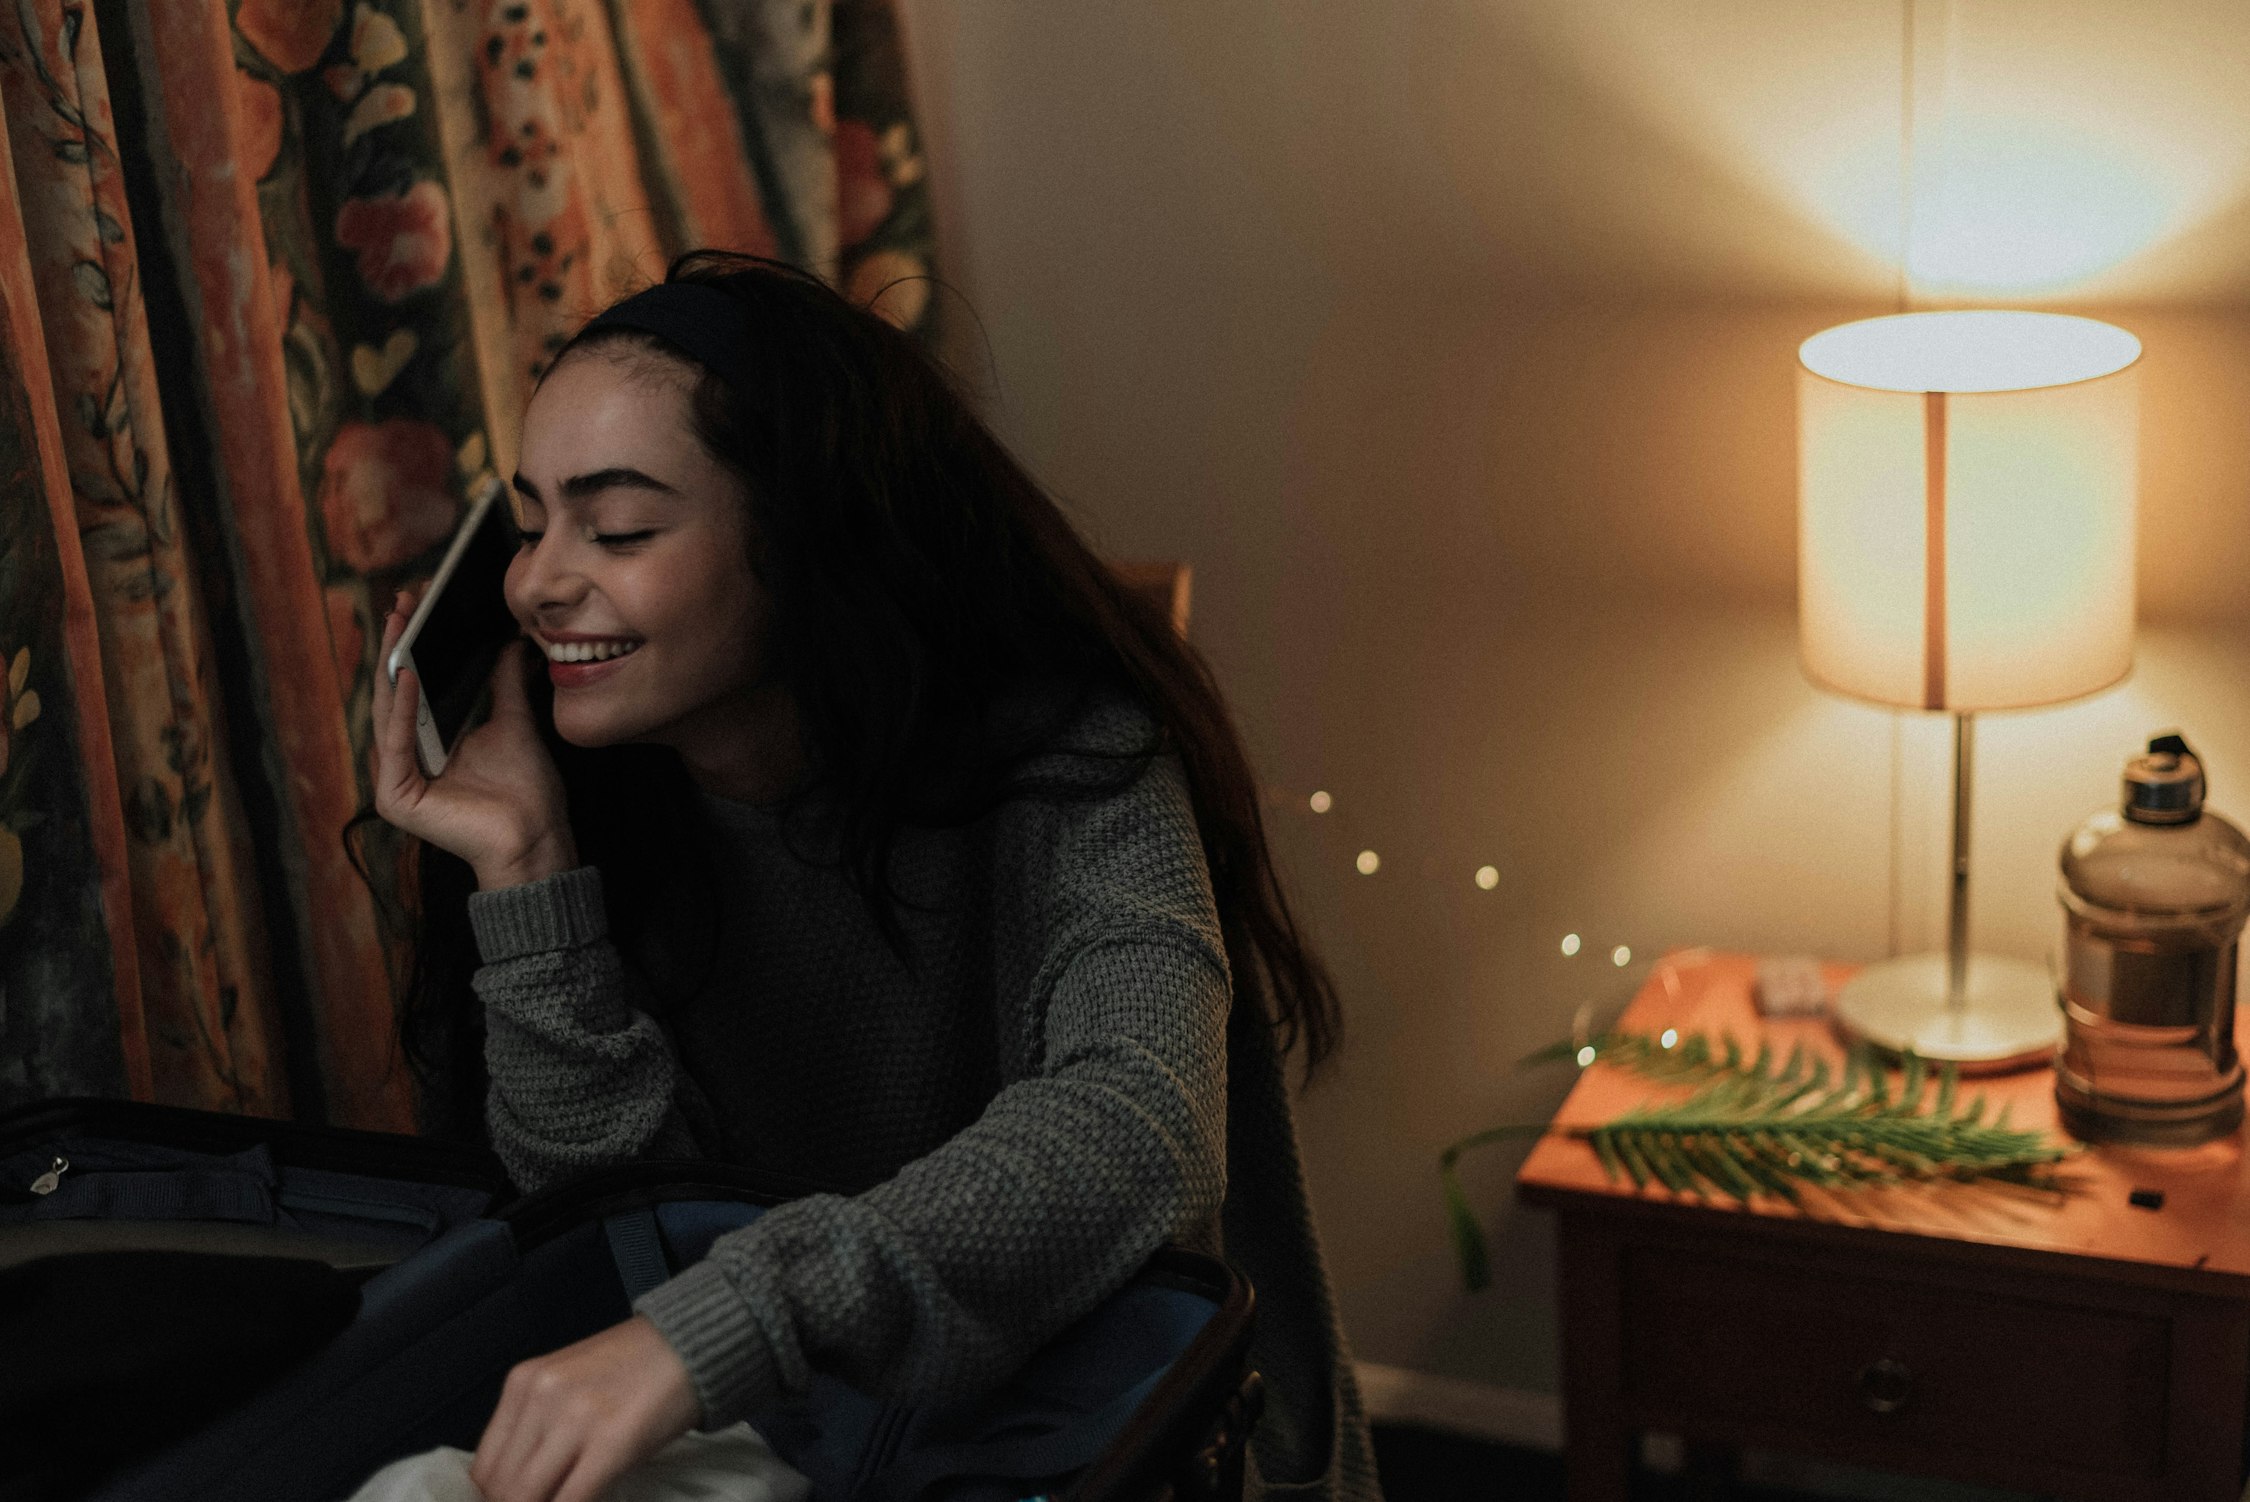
(1321, 803)
(1621, 956)
(1586, 1056)
(1369, 863)
(1488, 877)
(1671, 1037)
(1570, 944)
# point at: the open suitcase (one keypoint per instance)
(434, 1280)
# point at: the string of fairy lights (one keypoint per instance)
(1368, 862)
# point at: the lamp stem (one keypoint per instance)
(1957, 914)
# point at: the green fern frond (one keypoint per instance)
(1752, 1128)
(1461, 1220)
(1468, 1236)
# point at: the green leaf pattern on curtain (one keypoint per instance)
(383, 218)
(60, 1030)
(70, 1000)
(212, 1035)
(210, 130)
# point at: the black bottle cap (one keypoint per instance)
(2166, 785)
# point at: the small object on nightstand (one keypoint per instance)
(1792, 986)
(2146, 1199)
(2155, 894)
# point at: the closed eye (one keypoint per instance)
(529, 537)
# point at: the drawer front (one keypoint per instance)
(1875, 1362)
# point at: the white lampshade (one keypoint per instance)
(1966, 496)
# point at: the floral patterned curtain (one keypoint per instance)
(276, 278)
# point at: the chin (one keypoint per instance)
(590, 732)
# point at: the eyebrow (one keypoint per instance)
(616, 477)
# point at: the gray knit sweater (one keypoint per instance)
(1043, 1087)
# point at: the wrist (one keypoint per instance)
(550, 855)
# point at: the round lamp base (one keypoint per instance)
(2008, 1020)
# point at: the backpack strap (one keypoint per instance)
(638, 1250)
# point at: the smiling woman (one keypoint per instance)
(644, 555)
(863, 829)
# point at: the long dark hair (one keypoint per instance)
(920, 578)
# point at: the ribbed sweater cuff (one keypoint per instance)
(717, 1338)
(563, 911)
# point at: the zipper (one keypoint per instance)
(47, 1182)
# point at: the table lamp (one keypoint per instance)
(1966, 491)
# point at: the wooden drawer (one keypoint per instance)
(1744, 1347)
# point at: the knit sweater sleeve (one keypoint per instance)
(581, 1078)
(951, 1274)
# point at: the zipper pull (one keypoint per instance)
(46, 1182)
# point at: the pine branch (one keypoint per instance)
(1754, 1127)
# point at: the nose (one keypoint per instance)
(543, 585)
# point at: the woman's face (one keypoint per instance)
(635, 576)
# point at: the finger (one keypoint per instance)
(394, 619)
(393, 624)
(597, 1466)
(398, 776)
(510, 1429)
(484, 1465)
(538, 1474)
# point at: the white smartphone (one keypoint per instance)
(459, 627)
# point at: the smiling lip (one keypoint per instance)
(581, 674)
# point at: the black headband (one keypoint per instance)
(700, 322)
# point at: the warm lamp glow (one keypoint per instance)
(1966, 492)
(2030, 205)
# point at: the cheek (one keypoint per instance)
(731, 627)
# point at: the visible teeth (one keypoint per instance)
(588, 651)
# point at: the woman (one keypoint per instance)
(882, 841)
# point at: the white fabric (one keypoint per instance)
(731, 1465)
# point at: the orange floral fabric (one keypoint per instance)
(261, 357)
(74, 1022)
(382, 218)
(212, 1036)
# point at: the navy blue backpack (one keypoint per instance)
(197, 1307)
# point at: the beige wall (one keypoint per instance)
(1452, 342)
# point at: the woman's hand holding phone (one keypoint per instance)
(499, 805)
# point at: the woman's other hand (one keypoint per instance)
(572, 1422)
(499, 805)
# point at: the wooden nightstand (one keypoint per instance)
(2075, 1346)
